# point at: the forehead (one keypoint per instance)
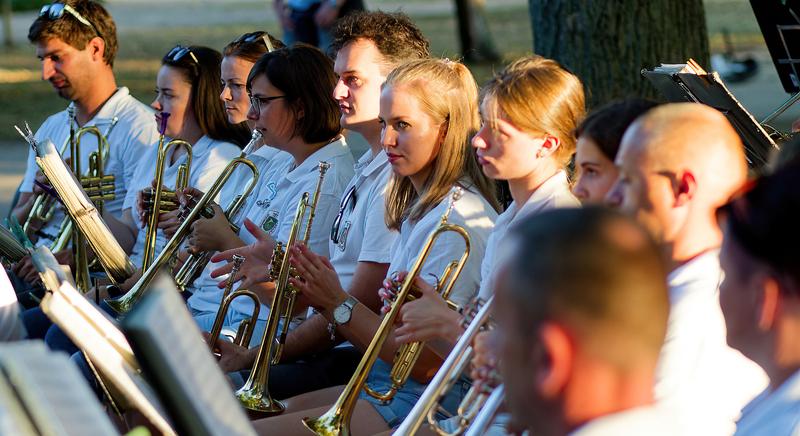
(233, 67)
(52, 45)
(399, 99)
(261, 86)
(361, 56)
(173, 78)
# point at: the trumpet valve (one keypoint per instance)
(277, 261)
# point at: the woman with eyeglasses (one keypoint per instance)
(428, 110)
(291, 107)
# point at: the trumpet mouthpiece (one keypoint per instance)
(163, 127)
(457, 193)
(238, 260)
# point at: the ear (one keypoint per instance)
(97, 48)
(553, 360)
(770, 300)
(685, 187)
(549, 146)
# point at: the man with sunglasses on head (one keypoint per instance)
(368, 46)
(76, 41)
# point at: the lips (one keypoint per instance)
(482, 160)
(344, 109)
(393, 157)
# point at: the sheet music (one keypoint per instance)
(10, 248)
(42, 392)
(170, 345)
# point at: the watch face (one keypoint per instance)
(341, 314)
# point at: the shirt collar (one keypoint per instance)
(109, 109)
(555, 186)
(371, 163)
(327, 153)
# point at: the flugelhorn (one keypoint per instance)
(248, 325)
(454, 366)
(124, 303)
(254, 395)
(194, 264)
(336, 421)
(154, 208)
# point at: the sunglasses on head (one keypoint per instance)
(55, 11)
(179, 52)
(255, 36)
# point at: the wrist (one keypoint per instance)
(333, 303)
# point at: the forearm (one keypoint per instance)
(124, 230)
(23, 206)
(310, 337)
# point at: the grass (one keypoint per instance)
(25, 97)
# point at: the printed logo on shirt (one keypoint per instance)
(270, 223)
(267, 200)
(343, 237)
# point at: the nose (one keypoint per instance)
(225, 95)
(578, 190)
(614, 195)
(156, 105)
(340, 91)
(48, 70)
(479, 140)
(388, 138)
(252, 115)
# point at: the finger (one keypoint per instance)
(226, 255)
(255, 230)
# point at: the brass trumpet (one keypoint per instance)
(195, 263)
(454, 366)
(336, 421)
(254, 395)
(124, 303)
(248, 325)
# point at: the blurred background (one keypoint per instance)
(148, 28)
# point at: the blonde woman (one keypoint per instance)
(428, 112)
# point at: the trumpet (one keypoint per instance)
(336, 421)
(456, 364)
(488, 412)
(124, 303)
(248, 325)
(195, 263)
(254, 395)
(153, 207)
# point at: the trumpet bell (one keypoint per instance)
(329, 424)
(253, 399)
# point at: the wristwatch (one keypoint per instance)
(341, 315)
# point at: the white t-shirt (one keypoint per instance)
(11, 328)
(274, 209)
(363, 235)
(472, 212)
(209, 158)
(774, 413)
(553, 193)
(131, 138)
(698, 374)
(644, 420)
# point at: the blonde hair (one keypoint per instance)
(447, 93)
(538, 95)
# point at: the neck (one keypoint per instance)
(522, 188)
(301, 151)
(695, 238)
(86, 107)
(371, 131)
(418, 179)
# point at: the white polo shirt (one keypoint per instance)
(653, 420)
(274, 209)
(363, 235)
(134, 134)
(11, 327)
(472, 212)
(698, 374)
(774, 412)
(209, 158)
(553, 193)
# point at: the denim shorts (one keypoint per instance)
(396, 411)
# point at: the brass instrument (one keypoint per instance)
(124, 303)
(248, 325)
(195, 263)
(456, 364)
(488, 412)
(153, 210)
(336, 421)
(254, 395)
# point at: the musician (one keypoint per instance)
(678, 163)
(599, 136)
(428, 112)
(76, 40)
(368, 46)
(581, 311)
(759, 295)
(285, 88)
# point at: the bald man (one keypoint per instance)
(678, 163)
(581, 312)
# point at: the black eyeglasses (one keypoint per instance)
(350, 195)
(257, 102)
(254, 36)
(55, 11)
(179, 52)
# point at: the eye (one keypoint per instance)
(402, 125)
(55, 58)
(352, 81)
(381, 122)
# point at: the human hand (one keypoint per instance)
(427, 317)
(210, 234)
(319, 284)
(258, 256)
(232, 357)
(484, 361)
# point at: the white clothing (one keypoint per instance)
(11, 327)
(129, 141)
(363, 235)
(274, 209)
(209, 158)
(472, 212)
(774, 413)
(698, 373)
(552, 194)
(644, 420)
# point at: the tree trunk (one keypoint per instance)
(5, 6)
(608, 42)
(473, 31)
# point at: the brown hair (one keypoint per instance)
(447, 93)
(539, 96)
(305, 75)
(397, 38)
(68, 29)
(253, 50)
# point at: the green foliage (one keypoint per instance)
(28, 5)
